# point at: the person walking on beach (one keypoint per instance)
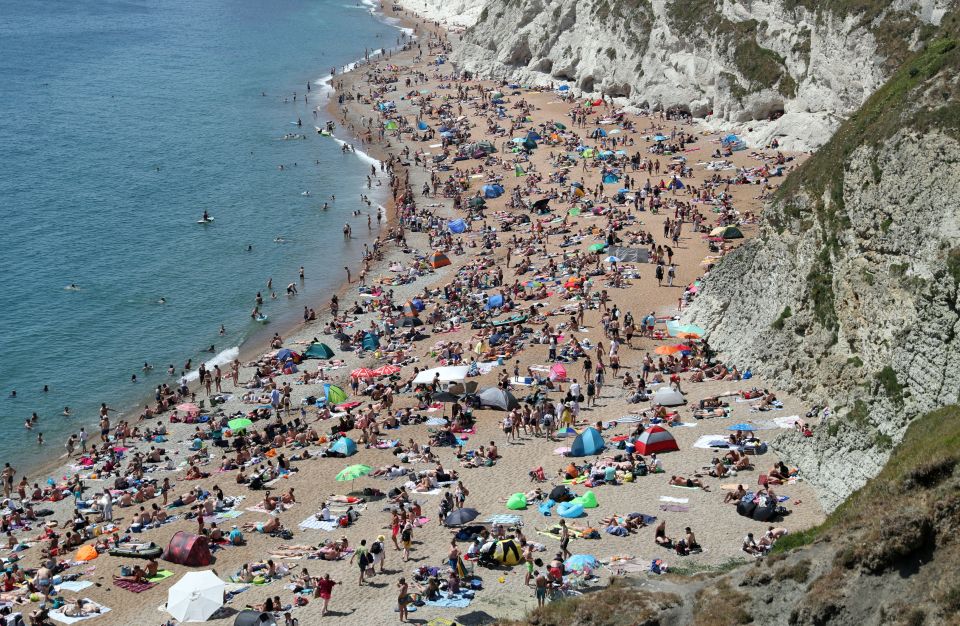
(324, 589)
(83, 440)
(7, 475)
(403, 598)
(564, 539)
(363, 559)
(107, 503)
(406, 536)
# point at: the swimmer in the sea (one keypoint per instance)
(73, 287)
(223, 330)
(147, 367)
(66, 411)
(211, 348)
(162, 300)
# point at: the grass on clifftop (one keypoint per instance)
(929, 452)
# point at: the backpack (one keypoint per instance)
(376, 548)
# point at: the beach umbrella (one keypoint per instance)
(189, 408)
(195, 597)
(558, 372)
(684, 335)
(363, 373)
(444, 397)
(239, 424)
(741, 426)
(334, 394)
(670, 349)
(612, 259)
(387, 370)
(459, 517)
(597, 247)
(580, 562)
(353, 472)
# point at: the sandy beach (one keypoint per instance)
(410, 149)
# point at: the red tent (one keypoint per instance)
(655, 439)
(188, 549)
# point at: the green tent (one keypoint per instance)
(597, 247)
(575, 211)
(318, 351)
(391, 125)
(334, 394)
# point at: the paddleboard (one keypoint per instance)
(322, 131)
(262, 319)
(206, 221)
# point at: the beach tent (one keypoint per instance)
(497, 398)
(675, 328)
(410, 309)
(456, 226)
(334, 394)
(345, 446)
(727, 232)
(541, 205)
(370, 342)
(391, 125)
(249, 617)
(588, 442)
(507, 552)
(529, 144)
(438, 260)
(195, 597)
(598, 132)
(655, 439)
(318, 351)
(188, 549)
(411, 322)
(494, 301)
(610, 178)
(558, 372)
(86, 553)
(448, 374)
(492, 191)
(676, 183)
(286, 354)
(668, 396)
(422, 125)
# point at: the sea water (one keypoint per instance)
(121, 122)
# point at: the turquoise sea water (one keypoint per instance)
(120, 123)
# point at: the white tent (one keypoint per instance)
(668, 396)
(449, 374)
(195, 597)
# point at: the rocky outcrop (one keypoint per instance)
(858, 266)
(808, 64)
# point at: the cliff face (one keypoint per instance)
(737, 60)
(850, 296)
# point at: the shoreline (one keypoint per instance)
(257, 342)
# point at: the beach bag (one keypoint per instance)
(746, 508)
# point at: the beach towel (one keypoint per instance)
(162, 574)
(312, 523)
(60, 617)
(675, 508)
(506, 519)
(449, 602)
(73, 585)
(133, 586)
(672, 499)
(685, 487)
(786, 422)
(711, 441)
(222, 517)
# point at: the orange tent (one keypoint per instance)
(439, 259)
(86, 553)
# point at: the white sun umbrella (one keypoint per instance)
(195, 597)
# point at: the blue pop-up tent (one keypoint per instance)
(494, 301)
(590, 441)
(345, 446)
(422, 125)
(456, 226)
(370, 342)
(492, 191)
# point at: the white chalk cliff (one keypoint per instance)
(734, 61)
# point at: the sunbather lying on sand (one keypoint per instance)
(680, 481)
